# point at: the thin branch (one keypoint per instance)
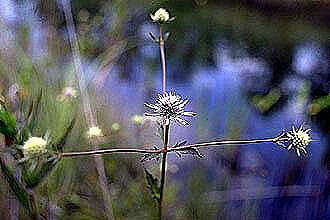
(218, 143)
(167, 149)
(110, 151)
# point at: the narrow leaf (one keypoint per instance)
(62, 141)
(166, 35)
(31, 120)
(153, 37)
(33, 178)
(19, 190)
(153, 185)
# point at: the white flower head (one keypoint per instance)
(137, 119)
(170, 106)
(161, 16)
(296, 139)
(299, 139)
(94, 132)
(34, 146)
(115, 127)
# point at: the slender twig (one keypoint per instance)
(218, 143)
(109, 151)
(168, 149)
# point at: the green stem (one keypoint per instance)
(162, 56)
(163, 169)
(218, 143)
(167, 149)
(108, 151)
(166, 126)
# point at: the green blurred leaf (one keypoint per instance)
(319, 104)
(23, 196)
(33, 113)
(63, 139)
(153, 185)
(34, 177)
(8, 124)
(31, 120)
(265, 102)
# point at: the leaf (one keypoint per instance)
(32, 115)
(149, 157)
(153, 185)
(33, 178)
(22, 195)
(153, 37)
(30, 121)
(166, 35)
(192, 151)
(180, 144)
(8, 124)
(63, 139)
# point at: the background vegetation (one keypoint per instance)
(250, 68)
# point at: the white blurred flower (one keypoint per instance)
(115, 127)
(34, 146)
(161, 16)
(137, 119)
(94, 132)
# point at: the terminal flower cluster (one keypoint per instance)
(295, 139)
(161, 16)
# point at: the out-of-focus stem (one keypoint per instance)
(86, 104)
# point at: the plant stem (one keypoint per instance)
(218, 143)
(109, 151)
(166, 125)
(163, 168)
(162, 56)
(89, 114)
(167, 149)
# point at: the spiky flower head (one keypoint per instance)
(34, 146)
(170, 106)
(161, 16)
(296, 139)
(299, 139)
(94, 132)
